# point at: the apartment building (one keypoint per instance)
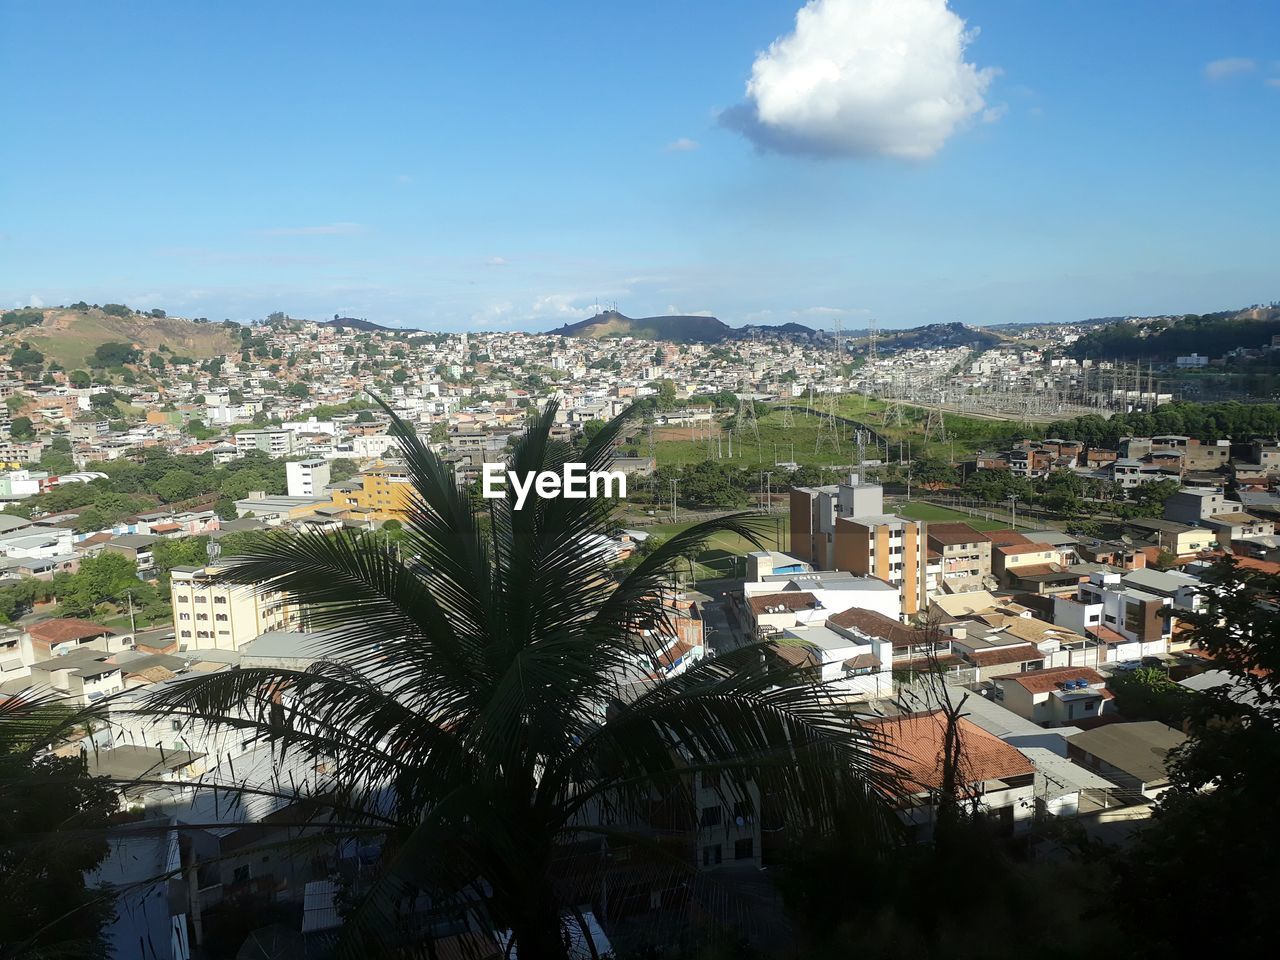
(965, 555)
(888, 547)
(383, 492)
(1196, 506)
(210, 612)
(274, 443)
(814, 511)
(306, 478)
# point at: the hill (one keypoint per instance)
(677, 329)
(351, 323)
(70, 336)
(939, 336)
(1165, 338)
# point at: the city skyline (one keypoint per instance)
(1083, 162)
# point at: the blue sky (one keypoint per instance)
(504, 165)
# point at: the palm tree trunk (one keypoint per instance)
(537, 932)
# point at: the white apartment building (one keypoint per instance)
(307, 478)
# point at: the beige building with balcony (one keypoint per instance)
(210, 612)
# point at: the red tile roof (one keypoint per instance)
(802, 600)
(1017, 653)
(914, 744)
(877, 625)
(1006, 538)
(62, 629)
(1043, 681)
(952, 533)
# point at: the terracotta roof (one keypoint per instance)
(1107, 635)
(675, 652)
(1005, 538)
(1034, 570)
(796, 654)
(922, 664)
(877, 625)
(861, 662)
(952, 533)
(1043, 681)
(914, 744)
(802, 600)
(1015, 653)
(62, 629)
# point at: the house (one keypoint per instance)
(1056, 696)
(1233, 526)
(136, 547)
(1181, 539)
(911, 648)
(852, 664)
(1131, 755)
(62, 634)
(992, 775)
(1130, 623)
(82, 676)
(1195, 506)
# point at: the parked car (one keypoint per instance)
(1127, 666)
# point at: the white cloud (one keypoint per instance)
(825, 311)
(864, 78)
(1273, 81)
(34, 301)
(674, 311)
(1228, 66)
(322, 230)
(496, 262)
(682, 145)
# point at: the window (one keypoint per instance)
(175, 725)
(219, 599)
(711, 856)
(712, 816)
(220, 616)
(241, 874)
(711, 780)
(184, 616)
(744, 849)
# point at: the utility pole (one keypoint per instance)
(674, 482)
(133, 628)
(1013, 507)
(768, 491)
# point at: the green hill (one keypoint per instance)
(1164, 339)
(70, 336)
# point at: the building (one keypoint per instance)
(306, 478)
(888, 547)
(1131, 755)
(1131, 623)
(383, 492)
(274, 443)
(1057, 696)
(1197, 506)
(814, 511)
(993, 775)
(965, 555)
(210, 612)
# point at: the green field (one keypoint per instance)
(930, 512)
(721, 558)
(808, 443)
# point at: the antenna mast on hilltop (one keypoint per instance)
(873, 338)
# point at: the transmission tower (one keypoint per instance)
(873, 339)
(747, 419)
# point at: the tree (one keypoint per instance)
(479, 741)
(103, 402)
(79, 379)
(115, 354)
(22, 429)
(116, 310)
(177, 485)
(26, 356)
(299, 390)
(53, 817)
(1203, 846)
(99, 578)
(933, 472)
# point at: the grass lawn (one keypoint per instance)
(776, 444)
(930, 512)
(722, 558)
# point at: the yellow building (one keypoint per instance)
(382, 492)
(209, 612)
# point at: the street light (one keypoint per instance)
(1013, 507)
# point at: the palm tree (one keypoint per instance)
(471, 706)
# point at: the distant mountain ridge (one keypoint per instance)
(677, 329)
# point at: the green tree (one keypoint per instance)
(79, 379)
(53, 819)
(103, 402)
(115, 354)
(1204, 845)
(478, 738)
(299, 390)
(177, 485)
(22, 429)
(99, 578)
(26, 356)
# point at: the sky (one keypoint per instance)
(509, 165)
